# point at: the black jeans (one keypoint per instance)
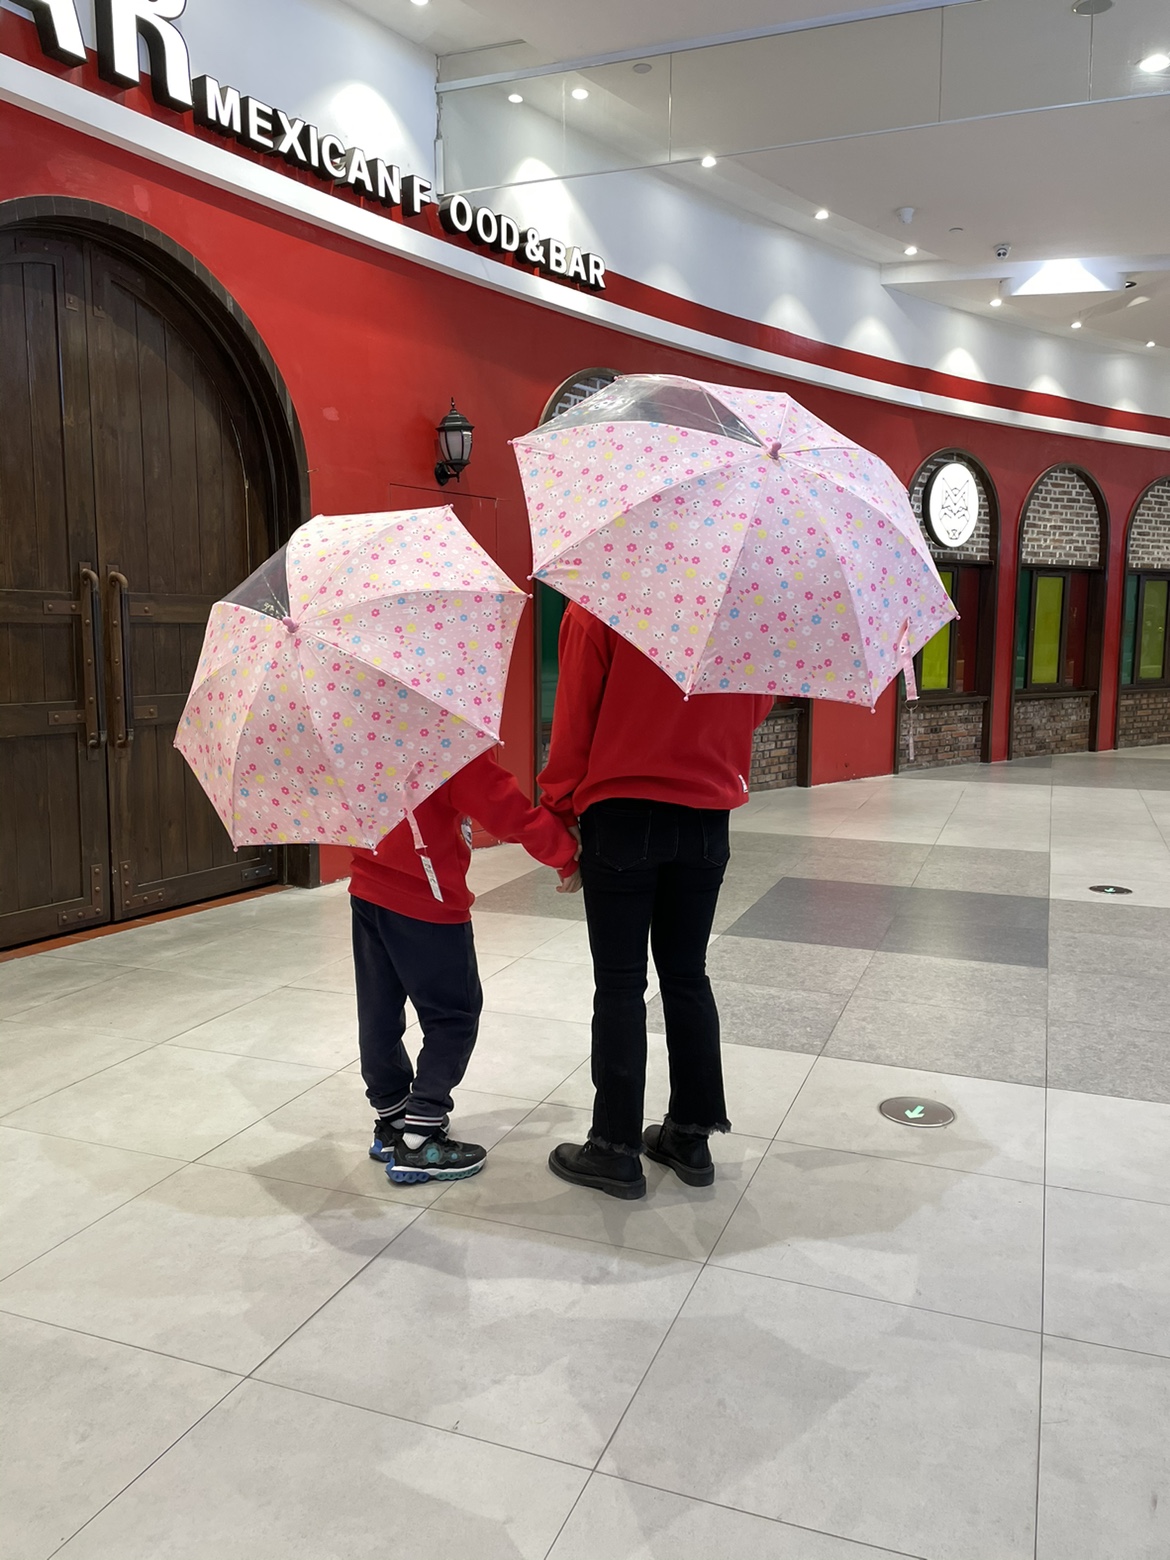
(395, 957)
(652, 871)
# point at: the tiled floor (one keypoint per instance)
(228, 1337)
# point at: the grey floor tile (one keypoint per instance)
(887, 1425)
(36, 1060)
(987, 871)
(1107, 1270)
(962, 908)
(1117, 1146)
(969, 1245)
(758, 961)
(91, 1416)
(532, 1340)
(780, 1020)
(533, 894)
(623, 1521)
(817, 910)
(859, 861)
(998, 989)
(210, 1265)
(1110, 918)
(1104, 1474)
(1145, 957)
(977, 943)
(1094, 996)
(333, 1479)
(909, 1033)
(998, 1127)
(1110, 1058)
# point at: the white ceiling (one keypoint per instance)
(814, 119)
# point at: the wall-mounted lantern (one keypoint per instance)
(454, 446)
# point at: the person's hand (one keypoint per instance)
(576, 833)
(570, 884)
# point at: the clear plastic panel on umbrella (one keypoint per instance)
(266, 589)
(655, 398)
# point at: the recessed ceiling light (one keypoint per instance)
(1153, 63)
(708, 161)
(514, 97)
(996, 303)
(955, 230)
(642, 68)
(419, 2)
(1151, 343)
(910, 249)
(580, 93)
(1063, 276)
(1092, 7)
(1076, 324)
(822, 215)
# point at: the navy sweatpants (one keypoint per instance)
(396, 957)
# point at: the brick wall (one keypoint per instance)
(1149, 534)
(1062, 524)
(774, 751)
(979, 548)
(1060, 725)
(950, 733)
(1143, 719)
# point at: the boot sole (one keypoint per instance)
(629, 1191)
(684, 1172)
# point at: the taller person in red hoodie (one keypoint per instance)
(651, 777)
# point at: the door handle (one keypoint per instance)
(92, 670)
(121, 684)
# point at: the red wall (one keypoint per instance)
(372, 349)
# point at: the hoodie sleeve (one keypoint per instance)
(489, 794)
(585, 654)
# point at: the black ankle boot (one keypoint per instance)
(687, 1153)
(600, 1169)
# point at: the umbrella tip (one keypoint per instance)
(290, 624)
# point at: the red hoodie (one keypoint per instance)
(393, 876)
(622, 728)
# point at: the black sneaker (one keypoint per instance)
(600, 1169)
(687, 1153)
(437, 1158)
(384, 1132)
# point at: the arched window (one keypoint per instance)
(1145, 650)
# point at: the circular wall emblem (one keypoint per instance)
(950, 505)
(912, 1112)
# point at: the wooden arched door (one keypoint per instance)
(132, 495)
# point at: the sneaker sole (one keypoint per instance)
(684, 1172)
(404, 1177)
(628, 1190)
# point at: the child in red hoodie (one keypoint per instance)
(412, 938)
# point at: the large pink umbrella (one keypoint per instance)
(741, 543)
(349, 677)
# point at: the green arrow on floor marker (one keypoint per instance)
(919, 1110)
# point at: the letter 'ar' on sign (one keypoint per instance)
(58, 29)
(119, 23)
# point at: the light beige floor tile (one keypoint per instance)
(334, 1479)
(210, 1265)
(150, 1004)
(284, 954)
(515, 935)
(625, 1521)
(322, 1138)
(1107, 1270)
(490, 964)
(523, 1056)
(39, 978)
(1097, 1143)
(495, 865)
(999, 989)
(51, 1187)
(315, 1028)
(36, 1060)
(336, 976)
(168, 1101)
(674, 1220)
(898, 1428)
(970, 1245)
(568, 947)
(531, 1340)
(86, 1417)
(998, 1127)
(542, 988)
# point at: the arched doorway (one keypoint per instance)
(1143, 716)
(140, 479)
(951, 722)
(1060, 602)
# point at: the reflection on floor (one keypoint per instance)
(229, 1338)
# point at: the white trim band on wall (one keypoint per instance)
(53, 98)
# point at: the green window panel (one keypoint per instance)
(1046, 626)
(1023, 613)
(1152, 641)
(936, 655)
(1129, 628)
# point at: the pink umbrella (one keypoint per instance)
(737, 540)
(349, 677)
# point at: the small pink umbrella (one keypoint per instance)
(738, 541)
(352, 674)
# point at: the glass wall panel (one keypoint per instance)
(1129, 628)
(936, 656)
(1023, 615)
(1048, 612)
(1152, 642)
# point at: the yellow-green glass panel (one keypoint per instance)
(936, 661)
(1152, 646)
(1046, 629)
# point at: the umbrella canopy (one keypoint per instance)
(738, 541)
(352, 674)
